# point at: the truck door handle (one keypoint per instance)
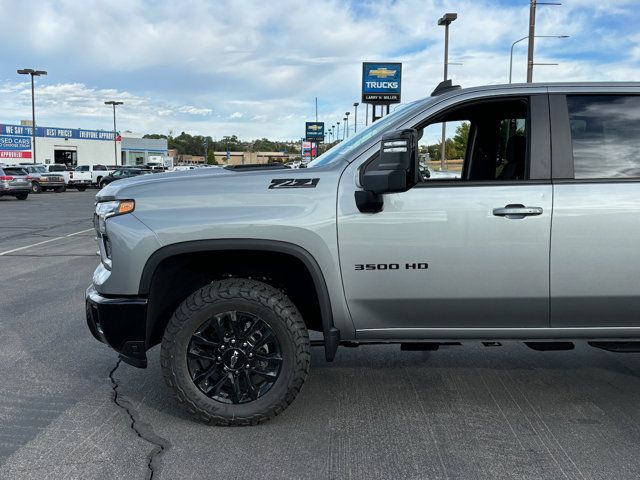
(516, 211)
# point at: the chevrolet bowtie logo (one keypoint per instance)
(382, 72)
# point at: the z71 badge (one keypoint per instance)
(294, 183)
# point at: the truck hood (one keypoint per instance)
(112, 190)
(199, 181)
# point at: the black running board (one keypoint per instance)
(617, 347)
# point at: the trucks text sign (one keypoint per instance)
(381, 82)
(314, 131)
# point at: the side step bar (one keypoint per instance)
(617, 347)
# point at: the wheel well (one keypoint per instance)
(178, 276)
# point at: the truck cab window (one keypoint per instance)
(486, 141)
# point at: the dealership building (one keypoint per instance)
(73, 146)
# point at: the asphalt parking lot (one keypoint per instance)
(69, 410)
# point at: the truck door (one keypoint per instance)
(461, 250)
(596, 229)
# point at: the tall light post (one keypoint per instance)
(33, 73)
(524, 38)
(115, 145)
(338, 128)
(344, 128)
(445, 21)
(355, 118)
(347, 124)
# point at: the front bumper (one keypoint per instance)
(120, 323)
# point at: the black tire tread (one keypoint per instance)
(246, 289)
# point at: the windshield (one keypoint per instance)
(346, 146)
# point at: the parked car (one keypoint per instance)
(536, 241)
(14, 181)
(122, 173)
(58, 168)
(41, 180)
(79, 179)
(97, 172)
(181, 168)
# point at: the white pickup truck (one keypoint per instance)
(97, 172)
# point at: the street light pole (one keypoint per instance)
(115, 145)
(355, 118)
(347, 124)
(33, 73)
(344, 128)
(338, 136)
(445, 20)
(524, 38)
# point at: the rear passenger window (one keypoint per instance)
(605, 135)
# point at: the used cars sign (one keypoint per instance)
(381, 82)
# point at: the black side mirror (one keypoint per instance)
(396, 170)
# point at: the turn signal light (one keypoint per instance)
(126, 206)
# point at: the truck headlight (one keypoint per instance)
(109, 209)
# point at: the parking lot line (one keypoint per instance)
(45, 241)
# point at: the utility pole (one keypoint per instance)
(532, 36)
(446, 20)
(115, 145)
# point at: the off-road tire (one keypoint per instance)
(257, 298)
(35, 187)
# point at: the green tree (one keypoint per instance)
(460, 140)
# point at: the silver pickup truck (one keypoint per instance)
(536, 241)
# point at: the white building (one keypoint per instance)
(75, 146)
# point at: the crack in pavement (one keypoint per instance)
(142, 429)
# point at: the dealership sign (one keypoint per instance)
(14, 154)
(308, 150)
(15, 143)
(381, 82)
(314, 131)
(48, 132)
(15, 147)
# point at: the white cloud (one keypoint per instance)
(191, 110)
(254, 68)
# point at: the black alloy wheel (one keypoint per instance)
(234, 357)
(236, 352)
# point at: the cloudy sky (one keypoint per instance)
(253, 67)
